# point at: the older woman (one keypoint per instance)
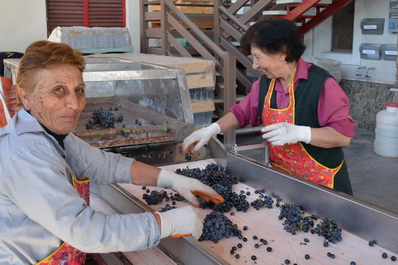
(45, 216)
(304, 111)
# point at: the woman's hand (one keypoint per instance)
(286, 133)
(188, 187)
(200, 137)
(180, 222)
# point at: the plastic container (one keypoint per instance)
(386, 140)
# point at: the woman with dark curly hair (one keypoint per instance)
(304, 111)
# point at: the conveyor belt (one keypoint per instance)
(264, 224)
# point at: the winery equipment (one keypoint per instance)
(360, 221)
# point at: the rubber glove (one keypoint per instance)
(180, 222)
(286, 133)
(188, 187)
(200, 136)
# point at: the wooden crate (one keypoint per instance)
(191, 9)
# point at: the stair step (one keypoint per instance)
(275, 13)
(218, 100)
(284, 2)
(287, 2)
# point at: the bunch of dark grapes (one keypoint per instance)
(211, 175)
(215, 176)
(155, 197)
(295, 218)
(231, 199)
(329, 230)
(103, 118)
(263, 201)
(216, 226)
(119, 119)
(89, 125)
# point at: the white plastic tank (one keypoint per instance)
(386, 140)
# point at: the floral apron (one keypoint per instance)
(66, 254)
(293, 158)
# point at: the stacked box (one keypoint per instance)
(200, 75)
(191, 7)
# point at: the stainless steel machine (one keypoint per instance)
(154, 102)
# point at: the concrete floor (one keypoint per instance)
(374, 179)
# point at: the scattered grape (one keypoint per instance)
(166, 208)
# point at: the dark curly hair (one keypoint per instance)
(275, 36)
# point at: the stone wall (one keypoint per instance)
(366, 99)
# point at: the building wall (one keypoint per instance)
(319, 43)
(367, 96)
(366, 99)
(24, 21)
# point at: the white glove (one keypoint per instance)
(201, 136)
(286, 133)
(180, 222)
(188, 187)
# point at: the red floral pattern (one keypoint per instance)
(293, 157)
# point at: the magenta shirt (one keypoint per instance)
(333, 105)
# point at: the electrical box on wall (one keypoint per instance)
(393, 17)
(371, 51)
(372, 26)
(390, 52)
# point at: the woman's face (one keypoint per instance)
(58, 98)
(269, 64)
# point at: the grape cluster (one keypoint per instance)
(101, 117)
(329, 230)
(215, 176)
(211, 175)
(155, 197)
(263, 201)
(89, 125)
(295, 219)
(217, 226)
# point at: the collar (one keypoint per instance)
(301, 73)
(23, 122)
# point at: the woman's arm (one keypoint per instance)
(328, 137)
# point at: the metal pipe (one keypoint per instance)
(359, 73)
(367, 76)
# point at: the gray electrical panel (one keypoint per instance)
(393, 17)
(372, 26)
